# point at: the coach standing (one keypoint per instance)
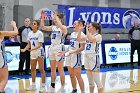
(134, 36)
(22, 39)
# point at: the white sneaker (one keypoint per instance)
(52, 89)
(62, 88)
(31, 88)
(42, 90)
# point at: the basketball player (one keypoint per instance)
(35, 40)
(57, 44)
(92, 62)
(73, 53)
(3, 64)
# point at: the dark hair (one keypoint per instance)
(97, 26)
(82, 22)
(60, 16)
(38, 23)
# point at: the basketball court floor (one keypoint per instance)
(114, 81)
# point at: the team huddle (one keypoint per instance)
(78, 42)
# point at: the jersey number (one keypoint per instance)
(33, 43)
(72, 44)
(88, 46)
(53, 36)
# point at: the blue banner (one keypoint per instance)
(107, 17)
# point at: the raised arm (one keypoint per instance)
(79, 38)
(89, 36)
(19, 35)
(59, 24)
(11, 33)
(43, 27)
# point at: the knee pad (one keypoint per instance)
(91, 81)
(96, 77)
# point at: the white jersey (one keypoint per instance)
(74, 44)
(57, 37)
(93, 47)
(1, 45)
(3, 62)
(35, 38)
(74, 60)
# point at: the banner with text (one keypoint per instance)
(107, 17)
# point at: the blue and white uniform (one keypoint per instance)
(57, 44)
(3, 63)
(92, 61)
(74, 60)
(34, 39)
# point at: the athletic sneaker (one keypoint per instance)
(31, 88)
(52, 89)
(74, 91)
(62, 89)
(62, 86)
(2, 92)
(42, 90)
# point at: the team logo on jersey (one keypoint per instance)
(129, 17)
(113, 53)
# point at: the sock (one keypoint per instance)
(2, 92)
(53, 85)
(33, 83)
(43, 85)
(74, 90)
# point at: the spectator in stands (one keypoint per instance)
(67, 39)
(117, 37)
(10, 40)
